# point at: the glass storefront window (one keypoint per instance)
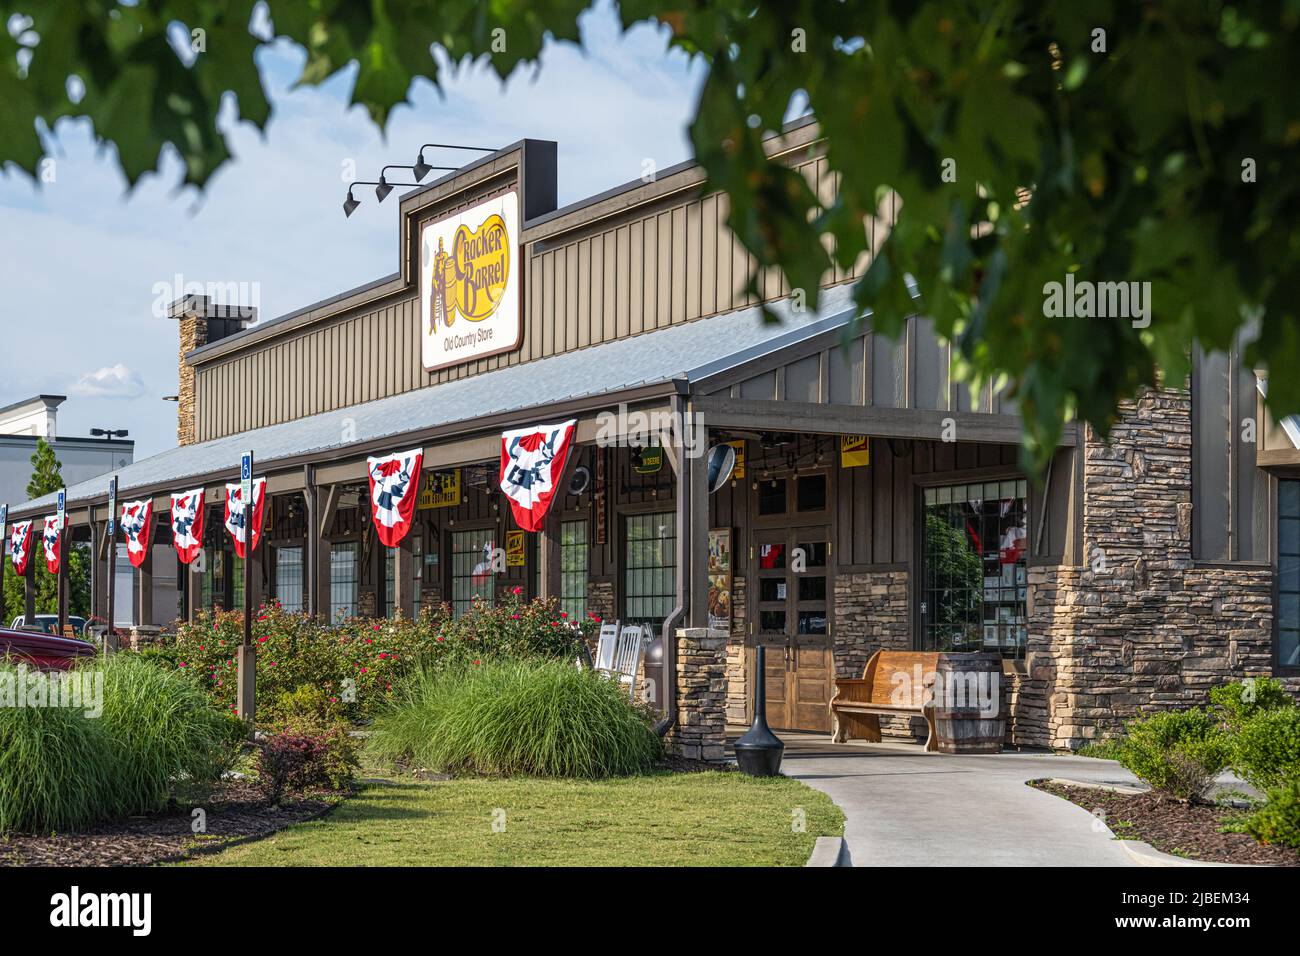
(974, 551)
(471, 568)
(651, 567)
(289, 578)
(343, 581)
(574, 554)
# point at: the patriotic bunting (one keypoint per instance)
(532, 463)
(394, 488)
(20, 546)
(51, 540)
(137, 519)
(187, 524)
(235, 513)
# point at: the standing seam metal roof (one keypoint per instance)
(691, 351)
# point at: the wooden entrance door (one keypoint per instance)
(792, 589)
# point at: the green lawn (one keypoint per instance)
(662, 819)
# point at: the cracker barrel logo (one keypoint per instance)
(470, 283)
(470, 280)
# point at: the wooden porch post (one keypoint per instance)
(310, 543)
(144, 593)
(693, 542)
(323, 522)
(404, 575)
(29, 583)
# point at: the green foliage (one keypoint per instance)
(1177, 752)
(1156, 142)
(47, 471)
(957, 563)
(1239, 700)
(1278, 820)
(1266, 748)
(294, 760)
(167, 734)
(355, 663)
(1105, 749)
(56, 770)
(539, 718)
(66, 768)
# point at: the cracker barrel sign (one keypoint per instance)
(439, 489)
(469, 283)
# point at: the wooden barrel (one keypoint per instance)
(968, 704)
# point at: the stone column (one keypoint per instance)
(701, 729)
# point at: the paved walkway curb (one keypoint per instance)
(1144, 854)
(830, 851)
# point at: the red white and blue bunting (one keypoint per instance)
(137, 519)
(187, 524)
(50, 538)
(532, 463)
(394, 488)
(235, 514)
(20, 546)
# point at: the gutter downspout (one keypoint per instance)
(668, 633)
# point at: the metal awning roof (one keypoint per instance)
(689, 352)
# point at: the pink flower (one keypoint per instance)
(382, 656)
(564, 614)
(376, 627)
(441, 638)
(515, 590)
(478, 662)
(181, 664)
(514, 617)
(363, 670)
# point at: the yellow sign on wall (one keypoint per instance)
(739, 470)
(516, 544)
(439, 489)
(855, 451)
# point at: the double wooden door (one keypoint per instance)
(790, 571)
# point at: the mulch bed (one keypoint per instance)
(236, 813)
(1190, 830)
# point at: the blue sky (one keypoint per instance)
(80, 258)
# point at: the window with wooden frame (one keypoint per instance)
(574, 556)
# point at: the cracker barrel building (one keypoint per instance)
(728, 482)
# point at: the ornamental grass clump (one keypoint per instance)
(169, 739)
(536, 718)
(138, 737)
(56, 772)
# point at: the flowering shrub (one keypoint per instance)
(355, 663)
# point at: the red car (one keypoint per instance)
(45, 651)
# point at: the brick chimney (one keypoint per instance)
(201, 322)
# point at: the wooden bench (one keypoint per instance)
(860, 702)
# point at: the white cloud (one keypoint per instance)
(111, 381)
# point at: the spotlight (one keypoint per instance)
(350, 205)
(421, 168)
(384, 187)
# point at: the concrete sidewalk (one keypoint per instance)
(905, 807)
